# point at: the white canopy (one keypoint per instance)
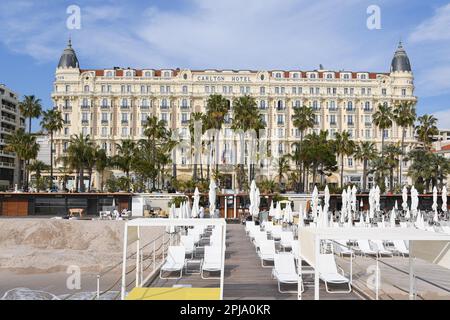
(434, 206)
(196, 204)
(404, 198)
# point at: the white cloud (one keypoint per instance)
(435, 28)
(443, 117)
(204, 34)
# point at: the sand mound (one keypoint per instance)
(50, 245)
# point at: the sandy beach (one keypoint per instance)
(41, 254)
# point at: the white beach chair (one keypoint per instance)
(446, 229)
(266, 252)
(268, 226)
(195, 233)
(381, 249)
(212, 261)
(259, 237)
(295, 250)
(286, 238)
(284, 271)
(248, 225)
(188, 243)
(328, 273)
(365, 249)
(252, 231)
(400, 247)
(175, 261)
(276, 232)
(342, 249)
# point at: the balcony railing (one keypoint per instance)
(350, 123)
(332, 123)
(144, 107)
(66, 122)
(7, 164)
(85, 122)
(124, 122)
(164, 107)
(368, 109)
(124, 106)
(85, 106)
(105, 106)
(104, 122)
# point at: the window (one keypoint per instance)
(280, 119)
(368, 119)
(85, 102)
(166, 74)
(184, 103)
(85, 131)
(147, 74)
(124, 103)
(280, 148)
(280, 105)
(363, 76)
(262, 104)
(104, 102)
(277, 90)
(296, 104)
(67, 88)
(104, 131)
(332, 105)
(85, 117)
(280, 133)
(386, 133)
(109, 74)
(367, 105)
(403, 92)
(294, 90)
(350, 120)
(332, 119)
(383, 92)
(312, 75)
(349, 105)
(66, 131)
(346, 76)
(164, 117)
(128, 74)
(184, 117)
(368, 134)
(185, 89)
(207, 89)
(86, 88)
(350, 162)
(124, 131)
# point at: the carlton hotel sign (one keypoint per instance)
(221, 78)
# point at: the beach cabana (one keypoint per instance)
(432, 247)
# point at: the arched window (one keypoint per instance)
(262, 104)
(109, 74)
(128, 74)
(85, 102)
(349, 105)
(164, 102)
(145, 102)
(367, 105)
(280, 104)
(105, 102)
(312, 76)
(184, 103)
(166, 74)
(86, 88)
(147, 74)
(228, 104)
(124, 102)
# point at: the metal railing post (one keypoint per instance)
(98, 287)
(377, 284)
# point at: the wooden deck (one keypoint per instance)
(244, 276)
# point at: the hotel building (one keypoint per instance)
(113, 104)
(10, 121)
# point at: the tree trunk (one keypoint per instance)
(90, 180)
(301, 177)
(342, 170)
(401, 158)
(364, 187)
(81, 180)
(51, 160)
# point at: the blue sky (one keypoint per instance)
(235, 34)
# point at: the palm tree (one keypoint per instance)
(404, 116)
(102, 161)
(30, 108)
(246, 117)
(52, 121)
(382, 118)
(303, 118)
(79, 151)
(282, 168)
(426, 129)
(25, 147)
(37, 167)
(126, 152)
(365, 151)
(344, 146)
(391, 158)
(195, 117)
(216, 110)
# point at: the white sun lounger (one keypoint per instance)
(196, 234)
(328, 273)
(365, 249)
(446, 229)
(175, 261)
(259, 237)
(276, 232)
(295, 250)
(286, 238)
(341, 248)
(188, 243)
(266, 251)
(212, 261)
(381, 250)
(284, 271)
(400, 247)
(268, 225)
(248, 225)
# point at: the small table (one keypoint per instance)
(76, 211)
(197, 263)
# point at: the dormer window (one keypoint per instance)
(166, 74)
(362, 76)
(109, 74)
(312, 76)
(295, 75)
(345, 76)
(86, 88)
(128, 74)
(148, 74)
(277, 75)
(329, 76)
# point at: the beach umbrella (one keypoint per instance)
(414, 201)
(257, 199)
(408, 214)
(361, 205)
(434, 206)
(288, 217)
(301, 223)
(353, 200)
(395, 205)
(404, 198)
(326, 198)
(372, 203)
(278, 211)
(367, 219)
(272, 209)
(377, 198)
(444, 199)
(315, 202)
(196, 204)
(382, 220)
(344, 205)
(212, 197)
(392, 217)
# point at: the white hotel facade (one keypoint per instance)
(113, 104)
